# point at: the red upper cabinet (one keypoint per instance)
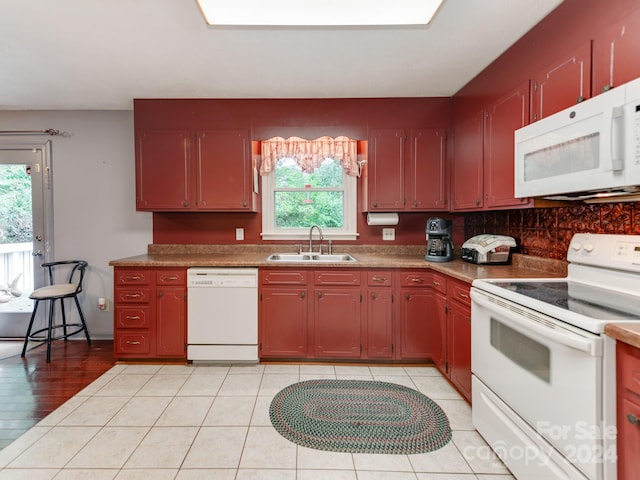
(564, 83)
(467, 171)
(186, 171)
(163, 170)
(482, 175)
(224, 172)
(385, 171)
(426, 181)
(502, 119)
(406, 174)
(616, 54)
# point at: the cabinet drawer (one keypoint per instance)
(171, 277)
(424, 279)
(132, 342)
(283, 277)
(379, 279)
(628, 359)
(135, 317)
(132, 277)
(336, 277)
(459, 291)
(439, 282)
(133, 295)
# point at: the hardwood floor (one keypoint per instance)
(31, 388)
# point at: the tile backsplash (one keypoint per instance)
(546, 232)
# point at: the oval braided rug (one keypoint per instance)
(359, 416)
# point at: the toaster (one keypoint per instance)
(488, 249)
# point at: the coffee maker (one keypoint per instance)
(439, 245)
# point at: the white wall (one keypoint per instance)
(94, 213)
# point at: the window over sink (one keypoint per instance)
(309, 182)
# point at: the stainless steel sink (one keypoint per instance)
(311, 258)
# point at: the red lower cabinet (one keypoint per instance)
(459, 347)
(283, 324)
(150, 313)
(283, 310)
(421, 315)
(458, 365)
(337, 328)
(379, 315)
(628, 408)
(337, 314)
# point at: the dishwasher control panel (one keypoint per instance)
(222, 278)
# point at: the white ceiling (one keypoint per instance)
(91, 54)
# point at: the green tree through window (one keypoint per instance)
(16, 224)
(303, 199)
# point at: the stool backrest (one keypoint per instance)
(76, 274)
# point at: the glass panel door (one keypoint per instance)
(23, 242)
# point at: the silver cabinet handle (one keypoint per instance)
(132, 343)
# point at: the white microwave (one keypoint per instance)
(590, 149)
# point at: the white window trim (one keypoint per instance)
(348, 232)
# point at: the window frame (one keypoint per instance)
(349, 231)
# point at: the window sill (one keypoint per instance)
(305, 236)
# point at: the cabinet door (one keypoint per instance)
(467, 171)
(616, 54)
(283, 322)
(385, 177)
(503, 118)
(459, 347)
(438, 331)
(426, 182)
(379, 322)
(163, 170)
(628, 409)
(628, 438)
(224, 171)
(336, 322)
(418, 336)
(565, 83)
(170, 321)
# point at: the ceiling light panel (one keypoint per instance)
(318, 12)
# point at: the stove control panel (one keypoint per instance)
(620, 252)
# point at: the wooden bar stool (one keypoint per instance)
(58, 291)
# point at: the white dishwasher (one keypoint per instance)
(222, 314)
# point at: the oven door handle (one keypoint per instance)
(569, 339)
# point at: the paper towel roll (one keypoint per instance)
(382, 219)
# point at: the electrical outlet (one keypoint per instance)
(103, 304)
(239, 233)
(389, 234)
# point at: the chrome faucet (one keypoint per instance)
(311, 237)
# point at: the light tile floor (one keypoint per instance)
(196, 422)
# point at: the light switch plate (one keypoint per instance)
(239, 233)
(389, 234)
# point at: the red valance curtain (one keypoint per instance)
(309, 154)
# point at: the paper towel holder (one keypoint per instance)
(388, 218)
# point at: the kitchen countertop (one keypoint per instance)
(624, 332)
(368, 256)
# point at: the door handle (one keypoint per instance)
(37, 253)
